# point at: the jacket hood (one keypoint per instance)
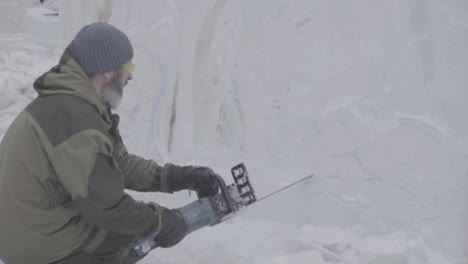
(67, 77)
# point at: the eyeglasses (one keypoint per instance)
(129, 67)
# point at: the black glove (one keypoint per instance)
(200, 179)
(173, 228)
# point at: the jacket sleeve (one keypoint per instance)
(90, 174)
(140, 174)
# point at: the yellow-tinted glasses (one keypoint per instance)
(129, 67)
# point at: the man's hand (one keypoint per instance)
(200, 179)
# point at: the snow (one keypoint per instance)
(369, 96)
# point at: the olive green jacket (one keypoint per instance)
(63, 170)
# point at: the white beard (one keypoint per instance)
(112, 94)
(111, 97)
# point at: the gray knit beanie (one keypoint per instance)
(100, 48)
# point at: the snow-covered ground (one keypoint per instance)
(369, 96)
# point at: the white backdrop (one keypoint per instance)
(367, 95)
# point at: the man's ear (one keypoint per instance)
(109, 75)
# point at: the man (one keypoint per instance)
(64, 167)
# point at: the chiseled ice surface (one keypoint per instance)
(369, 96)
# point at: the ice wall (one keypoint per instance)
(368, 95)
(75, 14)
(13, 12)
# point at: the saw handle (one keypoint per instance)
(225, 194)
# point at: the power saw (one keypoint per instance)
(210, 211)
